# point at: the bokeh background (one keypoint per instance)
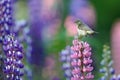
(52, 28)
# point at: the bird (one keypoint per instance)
(83, 29)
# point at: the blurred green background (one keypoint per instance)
(107, 12)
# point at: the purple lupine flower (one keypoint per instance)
(5, 22)
(13, 63)
(44, 19)
(13, 50)
(107, 70)
(23, 34)
(28, 40)
(6, 11)
(115, 77)
(81, 61)
(36, 27)
(65, 59)
(6, 15)
(19, 26)
(28, 71)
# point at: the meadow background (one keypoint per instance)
(49, 65)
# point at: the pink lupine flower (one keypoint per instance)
(89, 75)
(81, 61)
(87, 60)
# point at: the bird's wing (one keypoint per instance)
(87, 28)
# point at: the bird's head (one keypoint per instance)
(78, 22)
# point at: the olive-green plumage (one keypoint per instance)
(83, 27)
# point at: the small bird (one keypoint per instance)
(83, 29)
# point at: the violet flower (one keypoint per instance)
(14, 54)
(36, 27)
(65, 59)
(5, 20)
(28, 71)
(6, 15)
(107, 69)
(23, 34)
(81, 61)
(6, 11)
(13, 50)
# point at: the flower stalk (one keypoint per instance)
(14, 54)
(65, 59)
(12, 49)
(107, 70)
(81, 61)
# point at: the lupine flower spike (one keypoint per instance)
(65, 58)
(13, 50)
(14, 54)
(107, 70)
(81, 61)
(5, 16)
(23, 34)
